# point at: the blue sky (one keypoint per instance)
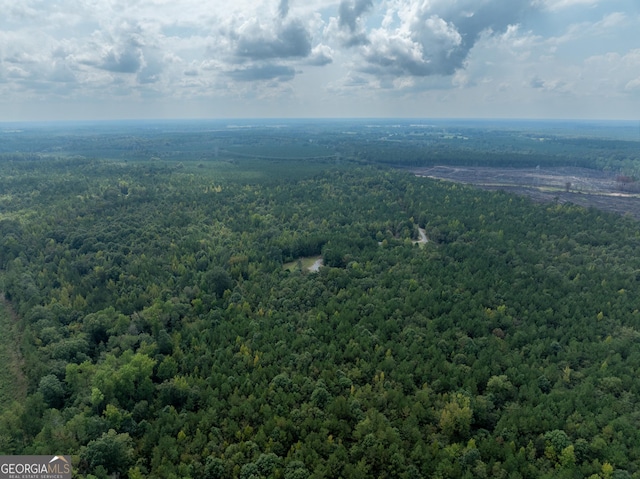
(121, 59)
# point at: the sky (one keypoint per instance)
(163, 59)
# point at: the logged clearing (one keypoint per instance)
(13, 385)
(581, 186)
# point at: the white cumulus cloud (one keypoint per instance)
(372, 54)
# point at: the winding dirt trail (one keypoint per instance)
(423, 236)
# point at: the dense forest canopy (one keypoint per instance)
(161, 336)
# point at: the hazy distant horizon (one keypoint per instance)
(626, 130)
(520, 120)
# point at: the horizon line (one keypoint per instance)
(355, 118)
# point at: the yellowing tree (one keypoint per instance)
(455, 418)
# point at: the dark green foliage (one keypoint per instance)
(113, 452)
(216, 281)
(544, 384)
(52, 391)
(296, 470)
(162, 336)
(214, 469)
(557, 439)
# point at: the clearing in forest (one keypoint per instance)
(311, 263)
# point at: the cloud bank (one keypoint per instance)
(315, 51)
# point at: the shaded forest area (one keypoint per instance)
(162, 337)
